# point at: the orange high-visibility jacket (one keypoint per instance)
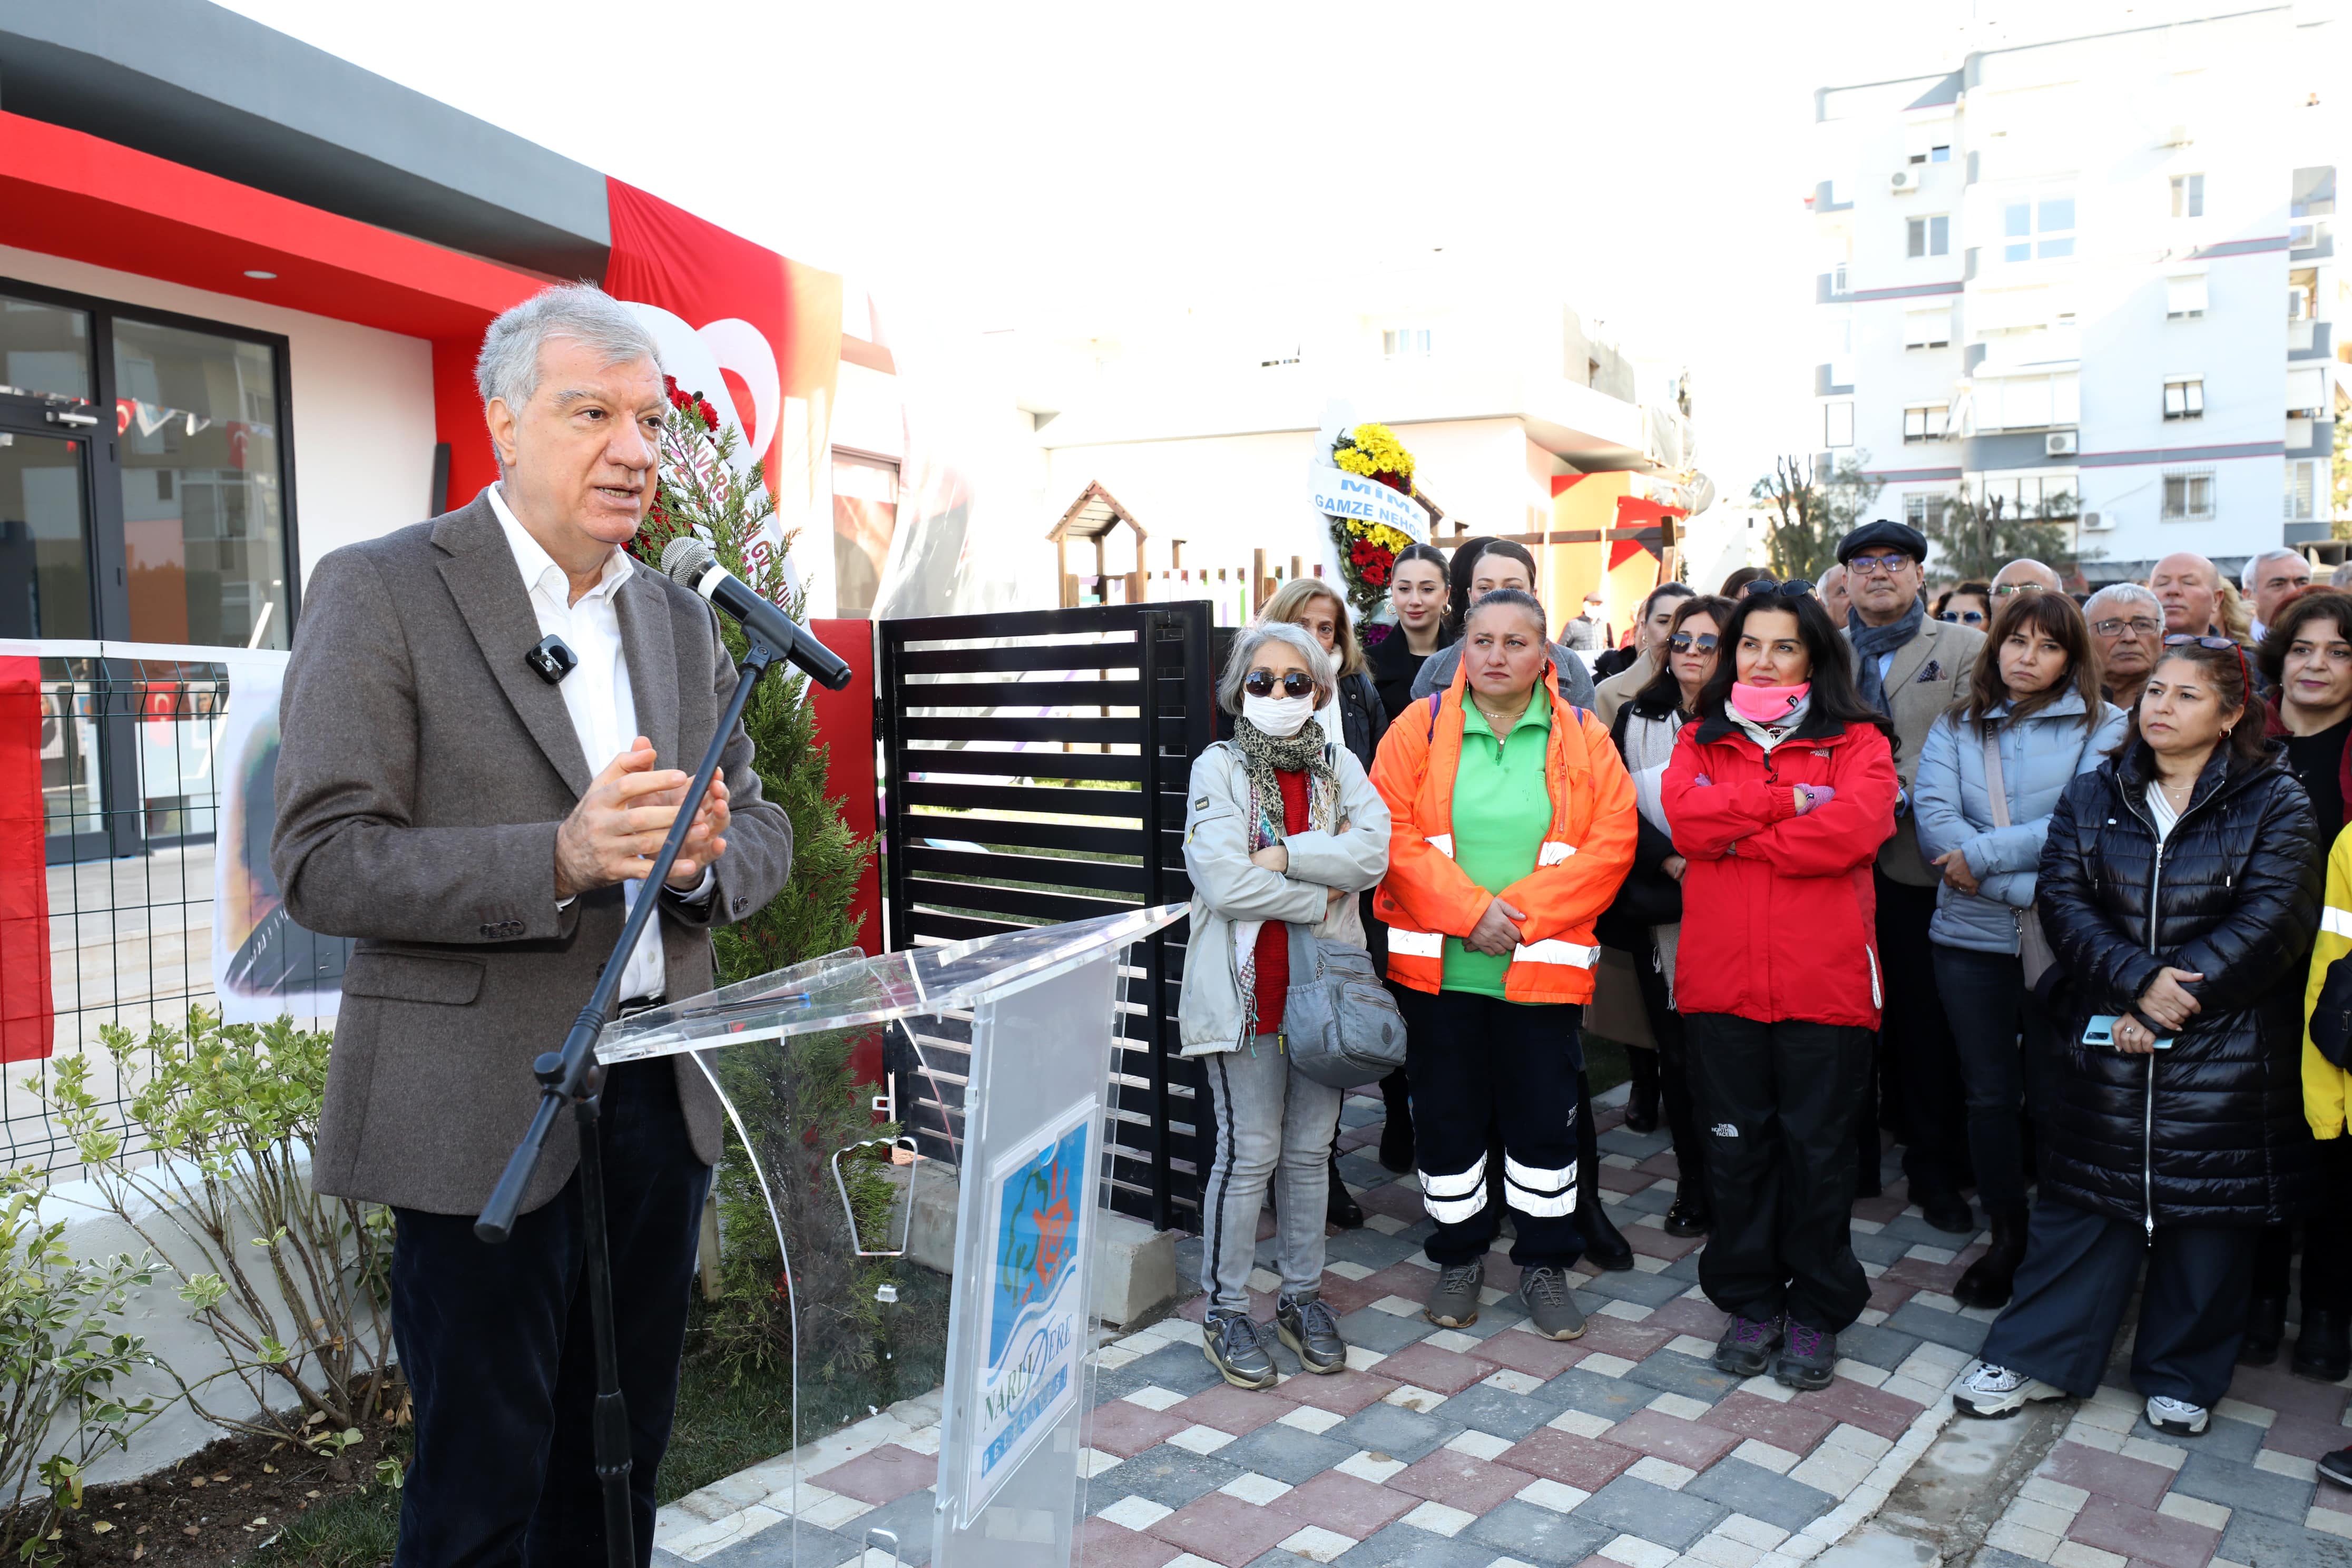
(1426, 898)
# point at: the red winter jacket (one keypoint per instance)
(1779, 917)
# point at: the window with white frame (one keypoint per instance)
(1837, 424)
(2302, 489)
(1405, 342)
(2185, 297)
(2038, 228)
(1928, 235)
(1923, 511)
(2187, 195)
(2184, 397)
(2042, 495)
(1926, 422)
(2188, 496)
(1929, 329)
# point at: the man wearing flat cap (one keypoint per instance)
(1911, 666)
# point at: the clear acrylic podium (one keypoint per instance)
(1037, 1011)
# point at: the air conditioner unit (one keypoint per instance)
(2177, 136)
(2095, 522)
(1906, 180)
(2061, 444)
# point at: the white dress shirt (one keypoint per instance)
(596, 694)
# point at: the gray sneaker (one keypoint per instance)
(1312, 1331)
(1808, 1357)
(1551, 1306)
(1454, 1302)
(1235, 1345)
(1746, 1345)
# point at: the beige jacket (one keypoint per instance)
(1621, 688)
(1931, 673)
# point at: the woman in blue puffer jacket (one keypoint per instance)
(2035, 697)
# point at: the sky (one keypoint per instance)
(1065, 168)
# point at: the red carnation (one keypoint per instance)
(709, 415)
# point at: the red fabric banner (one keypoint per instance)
(27, 1006)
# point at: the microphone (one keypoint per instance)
(691, 563)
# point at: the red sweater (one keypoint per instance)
(1273, 967)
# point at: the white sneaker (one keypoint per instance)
(2177, 1416)
(1994, 1393)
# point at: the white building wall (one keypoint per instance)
(363, 399)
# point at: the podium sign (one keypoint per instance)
(1042, 1007)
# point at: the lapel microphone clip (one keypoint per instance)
(551, 659)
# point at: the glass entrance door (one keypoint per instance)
(45, 554)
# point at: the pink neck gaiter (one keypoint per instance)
(1763, 704)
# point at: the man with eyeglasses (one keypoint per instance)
(2024, 577)
(1911, 666)
(2127, 628)
(1831, 588)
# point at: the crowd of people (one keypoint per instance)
(2027, 883)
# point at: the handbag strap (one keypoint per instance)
(1995, 786)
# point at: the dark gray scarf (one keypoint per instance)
(1873, 643)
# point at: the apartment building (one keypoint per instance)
(2093, 278)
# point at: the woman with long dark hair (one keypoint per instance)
(1990, 773)
(2180, 887)
(1480, 567)
(1779, 796)
(1421, 598)
(1646, 920)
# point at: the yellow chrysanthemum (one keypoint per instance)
(1379, 447)
(1356, 461)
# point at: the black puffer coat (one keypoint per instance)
(2210, 1131)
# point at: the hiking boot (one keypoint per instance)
(1551, 1306)
(1642, 1099)
(1746, 1345)
(1234, 1343)
(1453, 1301)
(1808, 1357)
(1311, 1330)
(1992, 1392)
(2323, 1351)
(1990, 1280)
(2177, 1416)
(1684, 1217)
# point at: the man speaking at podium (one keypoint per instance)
(481, 821)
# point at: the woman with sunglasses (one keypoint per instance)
(1512, 824)
(1646, 919)
(2178, 886)
(2032, 720)
(1283, 830)
(1968, 604)
(1780, 792)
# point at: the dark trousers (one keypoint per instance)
(1483, 1062)
(1780, 1102)
(2077, 1280)
(1673, 1083)
(500, 1363)
(2326, 1238)
(1926, 1062)
(1991, 1010)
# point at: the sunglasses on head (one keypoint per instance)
(1969, 617)
(1260, 683)
(2006, 589)
(1683, 642)
(2219, 645)
(1793, 588)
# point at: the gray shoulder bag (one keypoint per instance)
(2032, 948)
(1339, 1024)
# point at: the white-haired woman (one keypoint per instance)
(1283, 829)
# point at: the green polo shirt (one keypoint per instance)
(1501, 813)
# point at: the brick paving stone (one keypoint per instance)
(1872, 1409)
(1689, 1444)
(2237, 1486)
(1179, 1368)
(1347, 1504)
(2101, 1474)
(910, 1521)
(1941, 1327)
(1649, 1290)
(1447, 1372)
(1225, 1529)
(1482, 1408)
(775, 1547)
(1637, 1507)
(1343, 1393)
(1615, 1336)
(1102, 1545)
(2135, 1532)
(1792, 1427)
(1523, 1532)
(1877, 1345)
(883, 1475)
(1652, 1199)
(1123, 1428)
(2261, 1541)
(1661, 1164)
(1403, 1546)
(2305, 1438)
(2223, 1437)
(1502, 1273)
(1168, 1476)
(1674, 1373)
(1915, 1231)
(1758, 1493)
(1382, 1331)
(1922, 1275)
(1369, 1247)
(1282, 1452)
(1888, 1298)
(1609, 1398)
(1682, 1315)
(1534, 1354)
(2276, 1388)
(1344, 1295)
(1390, 1198)
(1587, 1464)
(1459, 1480)
(1656, 1243)
(1410, 1280)
(1399, 1433)
(1887, 1205)
(1228, 1409)
(1622, 1139)
(1877, 1247)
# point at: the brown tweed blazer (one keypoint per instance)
(422, 774)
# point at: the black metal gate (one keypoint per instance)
(1034, 767)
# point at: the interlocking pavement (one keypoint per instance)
(1491, 1447)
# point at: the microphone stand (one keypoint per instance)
(572, 1077)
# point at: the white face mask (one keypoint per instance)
(1280, 717)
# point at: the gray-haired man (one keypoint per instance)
(482, 831)
(2127, 628)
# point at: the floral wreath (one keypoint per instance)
(1369, 550)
